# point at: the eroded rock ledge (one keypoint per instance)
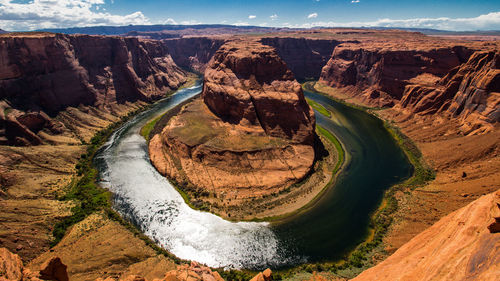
(252, 133)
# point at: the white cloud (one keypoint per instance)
(241, 23)
(190, 22)
(252, 17)
(489, 21)
(312, 16)
(38, 14)
(170, 21)
(273, 17)
(355, 1)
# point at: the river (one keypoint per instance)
(325, 231)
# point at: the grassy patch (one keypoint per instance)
(319, 108)
(146, 130)
(83, 190)
(336, 143)
(340, 160)
(89, 197)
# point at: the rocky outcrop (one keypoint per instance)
(247, 83)
(12, 269)
(461, 246)
(380, 73)
(263, 276)
(54, 269)
(252, 133)
(469, 92)
(193, 53)
(305, 57)
(42, 74)
(194, 272)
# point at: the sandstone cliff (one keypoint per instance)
(464, 245)
(305, 57)
(469, 92)
(194, 52)
(380, 73)
(43, 74)
(251, 135)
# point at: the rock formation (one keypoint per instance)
(422, 77)
(252, 134)
(381, 72)
(12, 269)
(461, 246)
(194, 52)
(305, 57)
(43, 74)
(469, 92)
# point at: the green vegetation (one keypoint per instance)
(88, 197)
(340, 160)
(336, 143)
(319, 108)
(7, 110)
(360, 258)
(146, 130)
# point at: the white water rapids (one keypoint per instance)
(147, 199)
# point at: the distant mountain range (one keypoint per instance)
(430, 31)
(120, 30)
(168, 31)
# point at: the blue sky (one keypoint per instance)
(444, 14)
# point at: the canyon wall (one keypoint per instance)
(193, 52)
(470, 92)
(248, 83)
(380, 73)
(305, 57)
(43, 74)
(460, 82)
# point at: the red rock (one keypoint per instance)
(247, 83)
(469, 93)
(305, 57)
(54, 269)
(263, 276)
(42, 74)
(11, 266)
(193, 52)
(252, 134)
(458, 247)
(380, 72)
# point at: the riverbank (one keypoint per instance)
(77, 230)
(372, 249)
(443, 180)
(273, 207)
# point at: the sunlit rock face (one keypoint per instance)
(250, 134)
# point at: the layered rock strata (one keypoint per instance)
(464, 245)
(43, 74)
(251, 134)
(461, 82)
(380, 73)
(305, 57)
(470, 92)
